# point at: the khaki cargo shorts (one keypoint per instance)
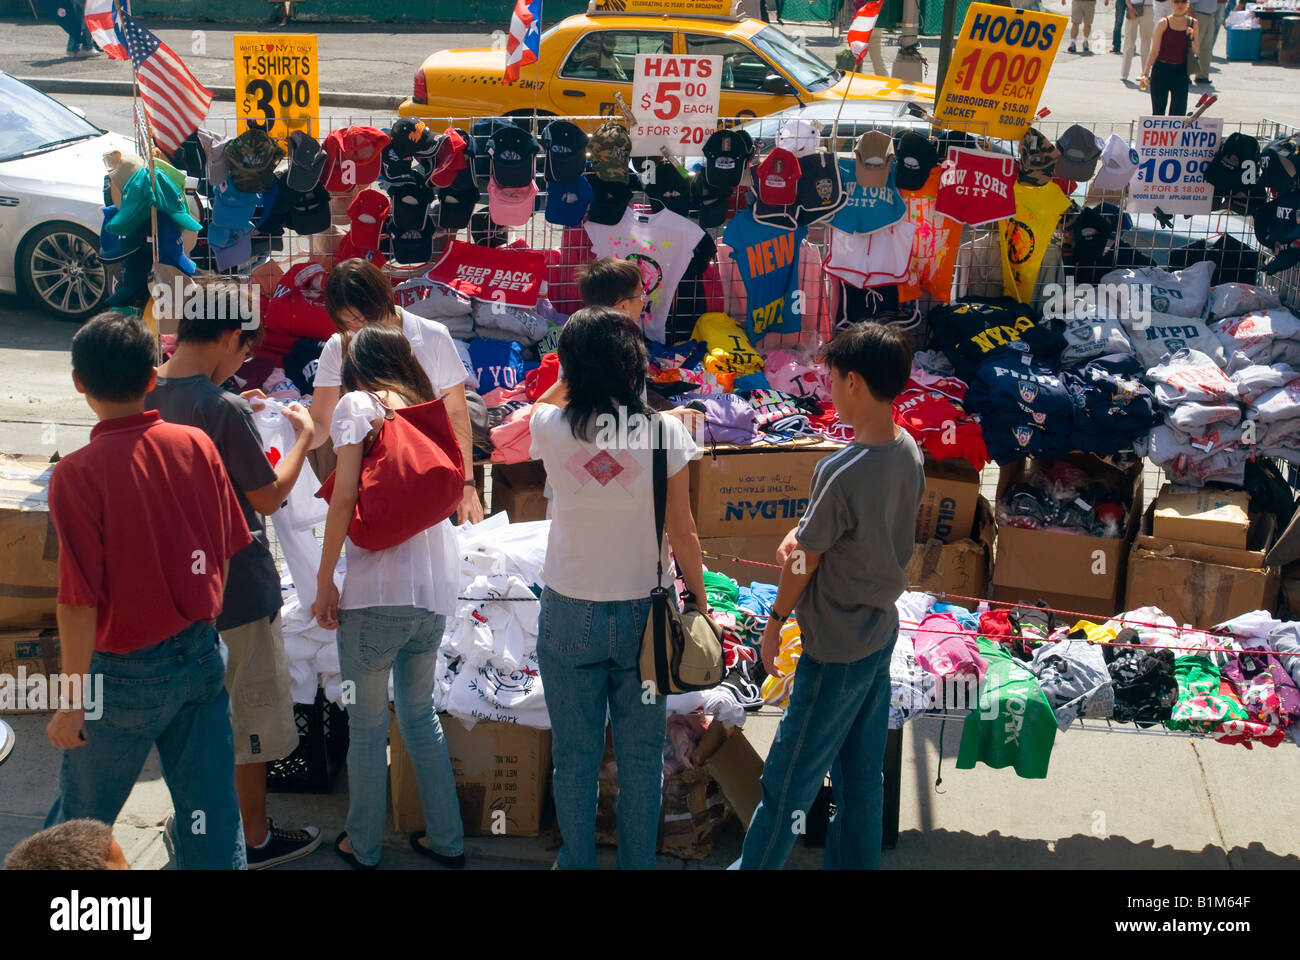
(1081, 11)
(257, 679)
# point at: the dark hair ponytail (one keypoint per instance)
(379, 357)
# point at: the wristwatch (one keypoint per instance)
(779, 617)
(471, 483)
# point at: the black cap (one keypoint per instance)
(670, 188)
(456, 205)
(565, 144)
(708, 203)
(411, 137)
(1279, 164)
(512, 150)
(410, 206)
(916, 157)
(954, 138)
(1225, 171)
(306, 161)
(611, 200)
(820, 190)
(310, 212)
(1091, 231)
(414, 245)
(486, 233)
(726, 154)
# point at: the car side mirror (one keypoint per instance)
(775, 83)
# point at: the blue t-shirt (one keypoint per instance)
(768, 261)
(867, 209)
(497, 363)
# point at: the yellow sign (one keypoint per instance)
(681, 8)
(276, 85)
(998, 70)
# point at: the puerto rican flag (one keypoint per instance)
(860, 29)
(525, 38)
(101, 21)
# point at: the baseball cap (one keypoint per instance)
(455, 206)
(611, 148)
(410, 137)
(138, 198)
(414, 245)
(214, 153)
(410, 206)
(799, 136)
(275, 203)
(306, 162)
(821, 192)
(367, 212)
(230, 249)
(565, 144)
(113, 247)
(484, 232)
(610, 199)
(670, 187)
(567, 201)
(451, 156)
(1224, 171)
(1038, 157)
(253, 156)
(916, 157)
(1080, 150)
(123, 168)
(709, 203)
(310, 212)
(511, 206)
(781, 216)
(871, 159)
(512, 150)
(170, 250)
(1091, 231)
(1119, 162)
(778, 178)
(949, 139)
(726, 154)
(1279, 164)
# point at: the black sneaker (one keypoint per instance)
(283, 846)
(453, 863)
(1072, 49)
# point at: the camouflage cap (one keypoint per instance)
(253, 156)
(610, 148)
(1038, 156)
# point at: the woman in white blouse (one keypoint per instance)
(390, 615)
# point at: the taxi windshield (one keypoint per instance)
(807, 71)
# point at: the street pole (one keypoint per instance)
(945, 39)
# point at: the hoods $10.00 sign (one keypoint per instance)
(675, 99)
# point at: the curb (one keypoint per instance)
(122, 88)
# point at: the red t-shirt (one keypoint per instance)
(146, 518)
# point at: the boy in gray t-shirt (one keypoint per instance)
(843, 570)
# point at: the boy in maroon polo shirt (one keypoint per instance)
(147, 522)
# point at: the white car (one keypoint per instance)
(51, 201)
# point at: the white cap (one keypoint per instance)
(1119, 162)
(801, 137)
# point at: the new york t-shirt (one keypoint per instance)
(662, 244)
(767, 259)
(867, 209)
(977, 187)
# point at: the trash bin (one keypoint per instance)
(1288, 47)
(1243, 43)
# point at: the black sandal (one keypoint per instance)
(451, 863)
(351, 858)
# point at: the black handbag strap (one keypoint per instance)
(659, 474)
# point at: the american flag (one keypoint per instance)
(175, 102)
(860, 29)
(102, 24)
(525, 38)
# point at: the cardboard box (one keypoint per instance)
(498, 767)
(761, 549)
(1067, 571)
(29, 549)
(962, 567)
(519, 490)
(744, 491)
(26, 653)
(1220, 518)
(1199, 584)
(947, 510)
(736, 766)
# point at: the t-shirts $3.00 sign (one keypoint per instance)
(675, 99)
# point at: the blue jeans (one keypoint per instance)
(172, 694)
(371, 641)
(1118, 33)
(837, 719)
(588, 652)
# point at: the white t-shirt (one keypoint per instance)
(662, 244)
(432, 345)
(421, 572)
(602, 539)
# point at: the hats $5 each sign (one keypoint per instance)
(998, 70)
(276, 83)
(675, 99)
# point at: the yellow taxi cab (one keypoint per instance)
(585, 59)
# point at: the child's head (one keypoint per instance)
(379, 357)
(609, 282)
(605, 362)
(357, 293)
(113, 357)
(869, 366)
(220, 324)
(74, 845)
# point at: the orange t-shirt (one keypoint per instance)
(934, 246)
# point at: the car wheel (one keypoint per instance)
(61, 270)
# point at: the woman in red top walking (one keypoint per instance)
(1166, 66)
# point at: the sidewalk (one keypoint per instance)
(380, 59)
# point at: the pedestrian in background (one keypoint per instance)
(1198, 64)
(1082, 12)
(1138, 22)
(71, 16)
(1166, 65)
(1121, 8)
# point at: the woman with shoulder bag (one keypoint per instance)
(391, 612)
(600, 569)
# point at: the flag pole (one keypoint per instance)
(835, 127)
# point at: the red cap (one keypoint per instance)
(367, 212)
(449, 160)
(778, 178)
